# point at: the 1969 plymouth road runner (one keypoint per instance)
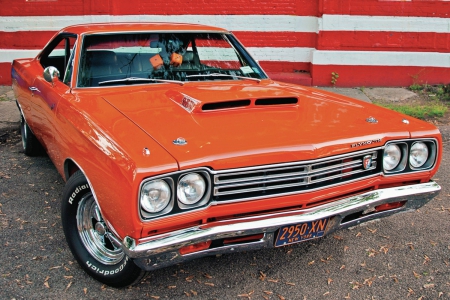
(175, 144)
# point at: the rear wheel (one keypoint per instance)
(89, 239)
(30, 144)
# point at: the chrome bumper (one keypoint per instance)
(162, 250)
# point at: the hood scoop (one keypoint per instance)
(226, 104)
(248, 102)
(190, 104)
(276, 101)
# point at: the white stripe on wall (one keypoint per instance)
(381, 58)
(294, 54)
(230, 22)
(383, 23)
(7, 55)
(258, 23)
(317, 57)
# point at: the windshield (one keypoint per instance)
(119, 59)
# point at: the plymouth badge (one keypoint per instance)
(365, 143)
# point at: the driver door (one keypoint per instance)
(46, 95)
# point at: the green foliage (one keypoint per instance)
(433, 92)
(334, 78)
(430, 110)
(415, 87)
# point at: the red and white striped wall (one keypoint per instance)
(367, 42)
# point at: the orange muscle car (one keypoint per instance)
(175, 145)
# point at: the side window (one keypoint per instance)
(59, 54)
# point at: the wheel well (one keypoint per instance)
(70, 168)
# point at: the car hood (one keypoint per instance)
(224, 126)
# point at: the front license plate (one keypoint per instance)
(296, 233)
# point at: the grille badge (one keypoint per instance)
(367, 162)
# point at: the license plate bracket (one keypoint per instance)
(296, 233)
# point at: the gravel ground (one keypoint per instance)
(405, 256)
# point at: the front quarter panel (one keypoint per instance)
(109, 149)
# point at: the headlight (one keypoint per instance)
(418, 155)
(191, 188)
(391, 157)
(155, 196)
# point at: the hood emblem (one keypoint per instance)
(180, 141)
(367, 162)
(371, 120)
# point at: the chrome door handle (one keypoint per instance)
(34, 89)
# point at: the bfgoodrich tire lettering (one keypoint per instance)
(88, 237)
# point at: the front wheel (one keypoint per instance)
(89, 238)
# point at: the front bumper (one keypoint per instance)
(163, 250)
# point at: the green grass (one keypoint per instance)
(3, 98)
(434, 104)
(434, 109)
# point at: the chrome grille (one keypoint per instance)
(292, 177)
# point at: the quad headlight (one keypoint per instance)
(191, 188)
(409, 156)
(155, 196)
(391, 157)
(418, 155)
(174, 193)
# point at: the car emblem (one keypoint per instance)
(371, 120)
(180, 141)
(367, 162)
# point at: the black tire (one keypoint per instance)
(88, 237)
(30, 144)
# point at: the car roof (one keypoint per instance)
(138, 27)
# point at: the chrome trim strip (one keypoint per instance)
(163, 250)
(225, 181)
(305, 181)
(302, 162)
(308, 169)
(268, 176)
(345, 174)
(260, 197)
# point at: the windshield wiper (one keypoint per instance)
(224, 75)
(138, 79)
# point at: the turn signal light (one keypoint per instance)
(195, 248)
(389, 206)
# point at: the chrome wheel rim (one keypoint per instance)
(95, 235)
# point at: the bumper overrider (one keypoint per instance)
(163, 250)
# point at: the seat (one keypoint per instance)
(188, 61)
(102, 63)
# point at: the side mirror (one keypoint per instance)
(51, 74)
